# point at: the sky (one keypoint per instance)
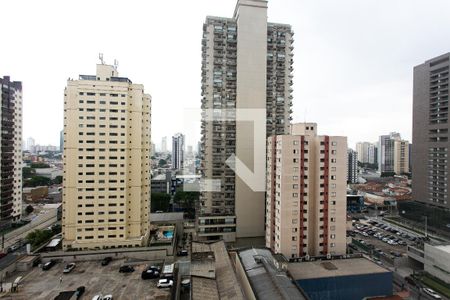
(353, 59)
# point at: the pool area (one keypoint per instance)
(168, 234)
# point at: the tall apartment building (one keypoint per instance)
(164, 144)
(386, 152)
(11, 150)
(431, 132)
(30, 143)
(306, 193)
(401, 157)
(366, 152)
(178, 151)
(247, 64)
(106, 186)
(352, 166)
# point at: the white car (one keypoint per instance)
(164, 283)
(101, 297)
(432, 293)
(68, 268)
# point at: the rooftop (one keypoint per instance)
(267, 281)
(225, 278)
(333, 268)
(445, 248)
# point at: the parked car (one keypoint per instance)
(80, 291)
(164, 283)
(183, 252)
(106, 261)
(2, 254)
(432, 293)
(68, 268)
(150, 274)
(48, 265)
(101, 297)
(126, 269)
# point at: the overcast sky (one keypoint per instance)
(353, 59)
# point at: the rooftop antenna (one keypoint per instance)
(100, 56)
(116, 63)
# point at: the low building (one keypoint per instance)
(349, 279)
(263, 276)
(355, 203)
(435, 259)
(212, 273)
(35, 193)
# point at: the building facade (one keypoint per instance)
(306, 193)
(431, 132)
(246, 66)
(401, 157)
(11, 150)
(164, 144)
(178, 151)
(352, 166)
(106, 185)
(386, 152)
(366, 152)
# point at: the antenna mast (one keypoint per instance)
(100, 56)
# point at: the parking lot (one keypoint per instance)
(384, 240)
(39, 284)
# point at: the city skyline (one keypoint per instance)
(370, 72)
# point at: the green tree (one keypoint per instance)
(58, 179)
(29, 209)
(39, 165)
(37, 181)
(162, 162)
(38, 237)
(160, 202)
(28, 172)
(186, 201)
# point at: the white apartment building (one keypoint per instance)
(178, 150)
(306, 193)
(11, 150)
(247, 64)
(106, 186)
(401, 157)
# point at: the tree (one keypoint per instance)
(37, 181)
(29, 209)
(28, 172)
(58, 179)
(186, 201)
(39, 165)
(160, 202)
(162, 162)
(38, 237)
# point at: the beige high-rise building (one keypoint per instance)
(401, 157)
(306, 193)
(106, 193)
(247, 65)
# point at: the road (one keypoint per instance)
(43, 220)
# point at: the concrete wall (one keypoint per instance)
(242, 279)
(437, 262)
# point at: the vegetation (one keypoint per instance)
(186, 201)
(57, 180)
(160, 202)
(38, 237)
(368, 166)
(29, 209)
(35, 181)
(434, 283)
(387, 174)
(39, 165)
(162, 162)
(28, 172)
